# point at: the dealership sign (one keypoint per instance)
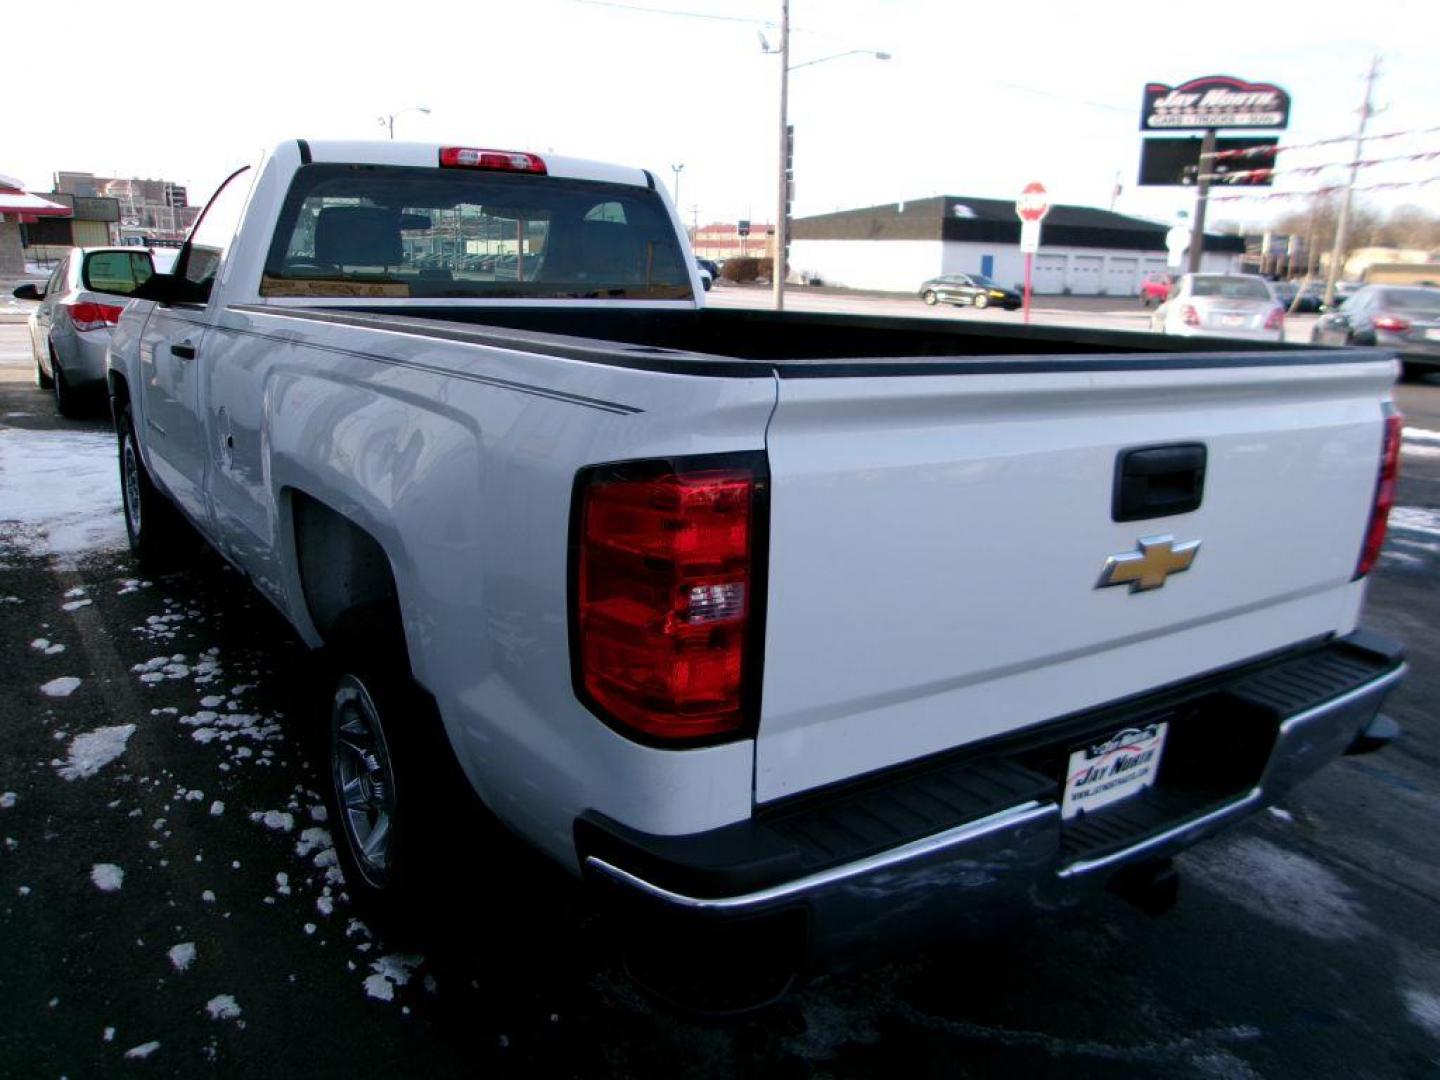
(1215, 101)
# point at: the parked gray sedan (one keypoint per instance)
(1405, 319)
(70, 330)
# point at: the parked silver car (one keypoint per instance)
(1221, 305)
(70, 330)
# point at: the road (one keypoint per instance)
(1306, 943)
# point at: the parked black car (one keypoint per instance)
(710, 265)
(1404, 319)
(977, 290)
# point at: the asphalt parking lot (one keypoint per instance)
(169, 905)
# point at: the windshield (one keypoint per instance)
(116, 272)
(1229, 288)
(368, 231)
(1426, 301)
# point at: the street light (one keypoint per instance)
(388, 120)
(782, 216)
(677, 170)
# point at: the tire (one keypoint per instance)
(1412, 372)
(929, 297)
(980, 301)
(66, 403)
(152, 525)
(391, 781)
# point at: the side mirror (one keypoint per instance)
(28, 291)
(170, 289)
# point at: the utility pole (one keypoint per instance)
(677, 170)
(1202, 199)
(1342, 226)
(782, 202)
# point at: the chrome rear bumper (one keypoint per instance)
(966, 877)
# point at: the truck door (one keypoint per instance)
(172, 354)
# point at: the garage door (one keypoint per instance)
(1085, 274)
(1122, 277)
(1048, 275)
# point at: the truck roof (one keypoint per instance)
(427, 154)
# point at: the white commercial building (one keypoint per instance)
(895, 247)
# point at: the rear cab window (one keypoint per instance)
(117, 272)
(395, 231)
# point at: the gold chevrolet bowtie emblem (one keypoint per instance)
(1157, 559)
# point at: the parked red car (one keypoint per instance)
(1155, 289)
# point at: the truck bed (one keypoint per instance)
(747, 344)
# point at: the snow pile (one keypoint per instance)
(61, 687)
(62, 493)
(92, 751)
(182, 955)
(107, 877)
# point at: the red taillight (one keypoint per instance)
(1276, 319)
(465, 157)
(665, 599)
(1384, 495)
(88, 316)
(1392, 322)
(1189, 315)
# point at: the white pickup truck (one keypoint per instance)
(839, 629)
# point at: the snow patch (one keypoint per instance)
(92, 751)
(144, 1050)
(107, 877)
(1424, 1009)
(182, 955)
(217, 808)
(1283, 887)
(390, 972)
(7, 800)
(222, 1007)
(274, 819)
(64, 686)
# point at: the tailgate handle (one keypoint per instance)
(1158, 481)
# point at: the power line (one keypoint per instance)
(1331, 189)
(1267, 151)
(1259, 176)
(675, 12)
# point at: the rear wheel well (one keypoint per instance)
(343, 572)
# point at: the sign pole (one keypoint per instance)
(1202, 199)
(1031, 207)
(1029, 259)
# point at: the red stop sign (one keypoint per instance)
(1034, 202)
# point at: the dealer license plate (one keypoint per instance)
(1232, 320)
(1123, 765)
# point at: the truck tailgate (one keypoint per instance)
(936, 543)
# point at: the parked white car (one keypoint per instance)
(823, 631)
(1221, 305)
(70, 329)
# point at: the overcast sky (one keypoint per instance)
(976, 100)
